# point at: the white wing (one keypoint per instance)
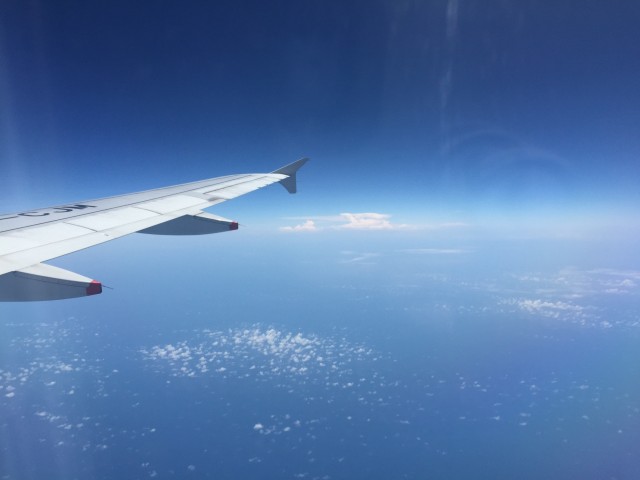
(29, 238)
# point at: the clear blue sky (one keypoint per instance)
(406, 108)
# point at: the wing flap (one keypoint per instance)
(200, 224)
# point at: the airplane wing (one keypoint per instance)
(29, 238)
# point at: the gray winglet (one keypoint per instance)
(290, 182)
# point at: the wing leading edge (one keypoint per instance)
(29, 238)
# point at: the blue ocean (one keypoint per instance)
(398, 362)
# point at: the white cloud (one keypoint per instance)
(347, 221)
(361, 258)
(550, 309)
(631, 274)
(255, 352)
(543, 305)
(308, 226)
(571, 282)
(369, 221)
(434, 251)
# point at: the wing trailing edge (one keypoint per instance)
(45, 282)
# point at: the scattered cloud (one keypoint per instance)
(616, 281)
(258, 352)
(572, 282)
(632, 274)
(547, 308)
(555, 309)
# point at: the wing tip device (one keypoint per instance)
(289, 183)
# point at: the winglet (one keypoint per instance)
(290, 170)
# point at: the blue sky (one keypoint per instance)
(469, 211)
(440, 111)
